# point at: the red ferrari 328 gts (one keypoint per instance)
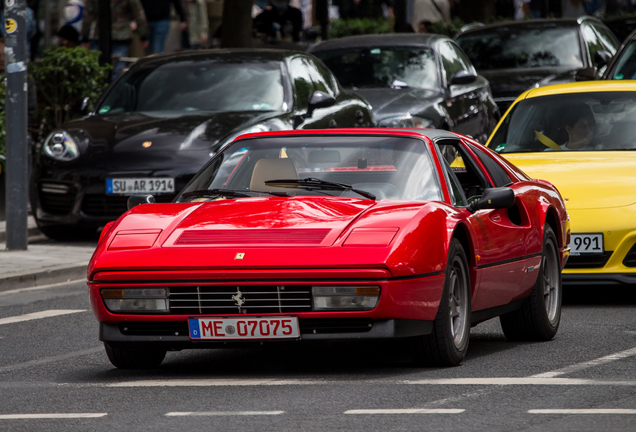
(338, 234)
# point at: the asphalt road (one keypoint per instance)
(53, 366)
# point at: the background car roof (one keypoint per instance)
(392, 39)
(563, 22)
(580, 87)
(256, 54)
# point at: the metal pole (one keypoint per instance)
(105, 44)
(16, 117)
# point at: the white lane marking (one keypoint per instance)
(406, 411)
(50, 416)
(224, 413)
(45, 360)
(518, 381)
(213, 383)
(39, 315)
(588, 364)
(584, 411)
(57, 285)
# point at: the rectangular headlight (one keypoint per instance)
(136, 300)
(345, 297)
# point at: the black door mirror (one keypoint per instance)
(319, 99)
(462, 77)
(493, 198)
(586, 74)
(135, 200)
(602, 58)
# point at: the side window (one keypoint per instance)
(591, 41)
(453, 60)
(497, 173)
(323, 78)
(455, 188)
(303, 84)
(607, 39)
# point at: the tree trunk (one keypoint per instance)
(476, 10)
(236, 30)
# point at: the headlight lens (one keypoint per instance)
(406, 121)
(149, 300)
(345, 297)
(60, 146)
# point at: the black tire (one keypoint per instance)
(448, 342)
(134, 359)
(539, 317)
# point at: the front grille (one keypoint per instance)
(630, 258)
(112, 205)
(168, 328)
(588, 261)
(335, 325)
(56, 202)
(309, 236)
(254, 299)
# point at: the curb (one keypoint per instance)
(40, 278)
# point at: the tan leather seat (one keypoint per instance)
(272, 169)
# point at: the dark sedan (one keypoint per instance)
(517, 56)
(414, 81)
(623, 65)
(161, 121)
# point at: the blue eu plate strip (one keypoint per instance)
(195, 332)
(109, 186)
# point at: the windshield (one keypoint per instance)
(585, 121)
(387, 167)
(626, 66)
(191, 86)
(514, 47)
(382, 67)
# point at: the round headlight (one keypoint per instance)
(60, 146)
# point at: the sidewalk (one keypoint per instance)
(45, 261)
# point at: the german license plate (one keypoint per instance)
(586, 244)
(285, 327)
(133, 186)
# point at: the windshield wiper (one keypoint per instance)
(312, 183)
(228, 193)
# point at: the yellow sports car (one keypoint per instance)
(581, 137)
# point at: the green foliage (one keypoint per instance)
(359, 26)
(450, 29)
(63, 77)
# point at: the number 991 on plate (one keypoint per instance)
(280, 327)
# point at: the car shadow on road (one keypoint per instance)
(599, 295)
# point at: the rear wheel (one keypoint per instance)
(134, 359)
(448, 342)
(540, 315)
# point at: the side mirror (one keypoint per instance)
(587, 74)
(602, 58)
(84, 106)
(462, 77)
(135, 200)
(493, 198)
(319, 99)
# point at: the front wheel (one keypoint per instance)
(448, 342)
(134, 359)
(540, 315)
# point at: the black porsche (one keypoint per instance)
(414, 81)
(155, 126)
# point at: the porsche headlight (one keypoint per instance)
(60, 146)
(406, 121)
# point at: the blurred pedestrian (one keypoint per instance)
(431, 11)
(522, 9)
(67, 36)
(573, 8)
(158, 15)
(126, 17)
(424, 26)
(197, 32)
(280, 20)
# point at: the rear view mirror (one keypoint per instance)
(611, 108)
(324, 156)
(493, 198)
(135, 200)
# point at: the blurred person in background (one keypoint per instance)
(280, 20)
(430, 11)
(573, 8)
(196, 34)
(126, 17)
(67, 36)
(74, 13)
(158, 16)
